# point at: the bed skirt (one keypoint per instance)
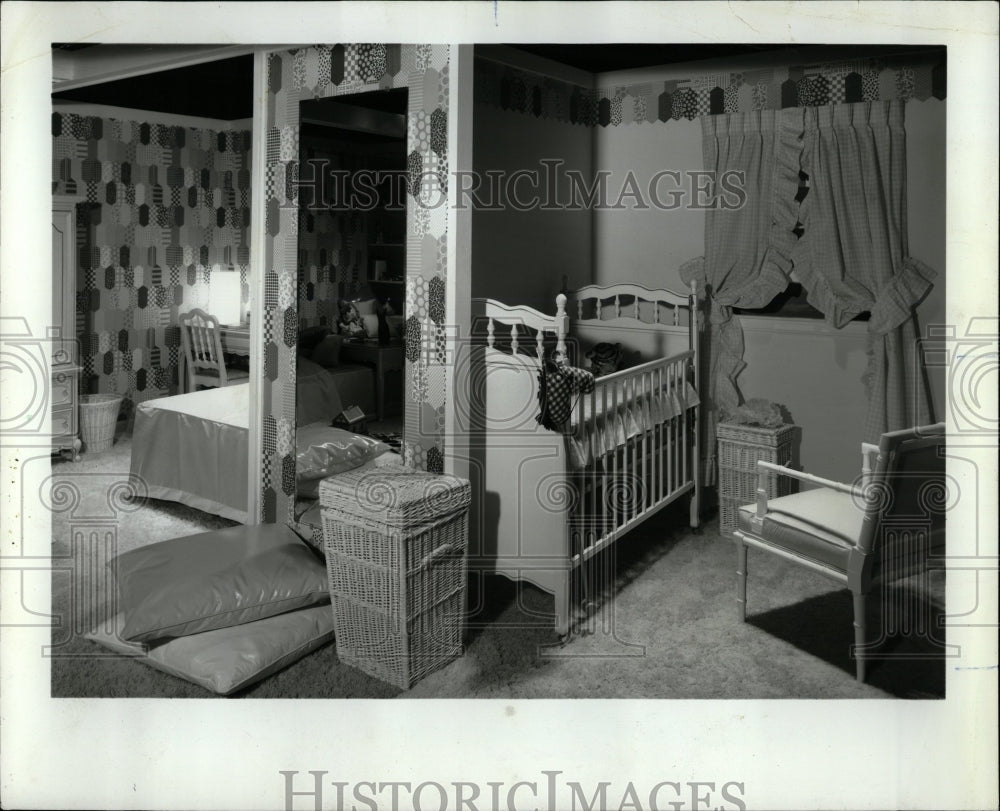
(198, 459)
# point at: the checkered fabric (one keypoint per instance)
(558, 386)
(853, 255)
(747, 250)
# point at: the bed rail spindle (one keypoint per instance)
(513, 339)
(584, 472)
(490, 333)
(671, 440)
(684, 417)
(658, 463)
(614, 461)
(593, 460)
(659, 433)
(605, 462)
(628, 460)
(644, 402)
(562, 326)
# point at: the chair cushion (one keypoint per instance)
(820, 524)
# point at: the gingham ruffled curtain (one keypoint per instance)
(748, 248)
(853, 254)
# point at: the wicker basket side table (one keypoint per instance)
(740, 448)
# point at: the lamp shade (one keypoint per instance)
(224, 297)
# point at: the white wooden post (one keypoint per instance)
(562, 324)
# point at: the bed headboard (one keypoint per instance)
(647, 323)
(605, 303)
(519, 329)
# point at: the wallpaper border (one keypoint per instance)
(702, 94)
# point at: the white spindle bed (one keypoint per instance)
(552, 501)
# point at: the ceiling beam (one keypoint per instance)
(108, 63)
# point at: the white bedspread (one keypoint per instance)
(229, 405)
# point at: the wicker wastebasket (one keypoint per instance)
(396, 541)
(98, 417)
(740, 448)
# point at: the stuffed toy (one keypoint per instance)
(605, 358)
(350, 323)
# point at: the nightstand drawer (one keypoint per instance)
(63, 389)
(63, 422)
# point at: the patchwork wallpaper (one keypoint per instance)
(321, 72)
(333, 244)
(772, 88)
(161, 210)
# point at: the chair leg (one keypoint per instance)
(860, 634)
(741, 578)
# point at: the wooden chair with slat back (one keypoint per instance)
(885, 527)
(201, 343)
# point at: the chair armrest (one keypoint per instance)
(764, 468)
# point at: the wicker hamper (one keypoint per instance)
(396, 541)
(740, 448)
(98, 417)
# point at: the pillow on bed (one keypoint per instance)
(215, 580)
(310, 337)
(365, 307)
(229, 659)
(370, 323)
(327, 351)
(322, 450)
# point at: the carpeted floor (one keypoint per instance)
(671, 630)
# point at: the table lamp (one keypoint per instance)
(225, 297)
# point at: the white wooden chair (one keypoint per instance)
(882, 528)
(201, 343)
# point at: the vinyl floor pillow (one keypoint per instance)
(309, 488)
(230, 659)
(322, 450)
(216, 580)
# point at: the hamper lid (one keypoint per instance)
(395, 495)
